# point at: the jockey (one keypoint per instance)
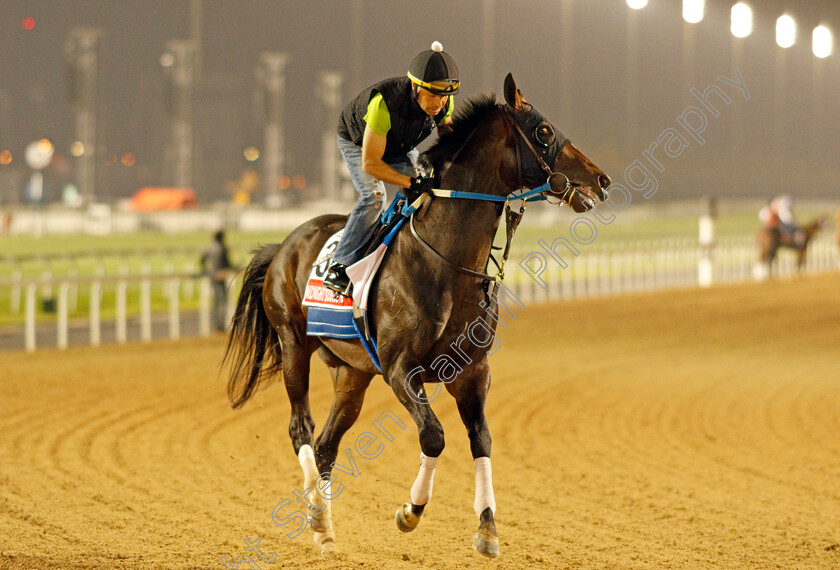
(778, 215)
(768, 216)
(378, 133)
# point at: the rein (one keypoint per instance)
(512, 217)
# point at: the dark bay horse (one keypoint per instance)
(422, 304)
(770, 240)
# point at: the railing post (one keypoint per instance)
(17, 277)
(46, 290)
(555, 287)
(146, 310)
(204, 306)
(705, 267)
(615, 270)
(168, 269)
(174, 323)
(121, 312)
(189, 285)
(63, 293)
(73, 300)
(29, 334)
(95, 323)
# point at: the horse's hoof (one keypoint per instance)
(486, 544)
(316, 524)
(406, 518)
(328, 547)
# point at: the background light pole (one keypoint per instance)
(741, 26)
(632, 68)
(179, 68)
(785, 38)
(357, 54)
(271, 74)
(488, 34)
(329, 94)
(82, 57)
(821, 46)
(567, 63)
(692, 13)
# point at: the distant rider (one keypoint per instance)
(778, 215)
(378, 133)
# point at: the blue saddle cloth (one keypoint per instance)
(333, 323)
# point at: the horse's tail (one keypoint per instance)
(252, 348)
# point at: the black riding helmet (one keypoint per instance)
(435, 71)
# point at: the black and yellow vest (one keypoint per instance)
(410, 125)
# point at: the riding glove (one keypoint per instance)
(419, 184)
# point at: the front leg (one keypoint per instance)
(407, 382)
(470, 393)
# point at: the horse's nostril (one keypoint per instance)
(604, 181)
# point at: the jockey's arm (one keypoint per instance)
(373, 149)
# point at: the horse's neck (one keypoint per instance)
(462, 230)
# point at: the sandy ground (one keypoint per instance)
(685, 429)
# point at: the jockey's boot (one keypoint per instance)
(337, 279)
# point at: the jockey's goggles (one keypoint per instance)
(439, 87)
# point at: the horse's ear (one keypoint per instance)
(513, 96)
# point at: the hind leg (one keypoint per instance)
(296, 357)
(349, 385)
(296, 378)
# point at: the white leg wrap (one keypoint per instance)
(421, 491)
(483, 486)
(306, 457)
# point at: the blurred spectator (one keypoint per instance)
(215, 263)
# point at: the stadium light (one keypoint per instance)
(637, 4)
(742, 20)
(785, 31)
(693, 11)
(822, 42)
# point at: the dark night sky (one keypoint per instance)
(795, 152)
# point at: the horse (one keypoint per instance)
(770, 240)
(429, 289)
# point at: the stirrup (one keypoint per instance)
(337, 280)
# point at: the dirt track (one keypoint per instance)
(688, 429)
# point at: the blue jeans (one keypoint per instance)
(363, 219)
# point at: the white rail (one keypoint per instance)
(656, 264)
(171, 282)
(598, 270)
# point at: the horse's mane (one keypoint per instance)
(466, 119)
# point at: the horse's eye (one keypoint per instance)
(545, 134)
